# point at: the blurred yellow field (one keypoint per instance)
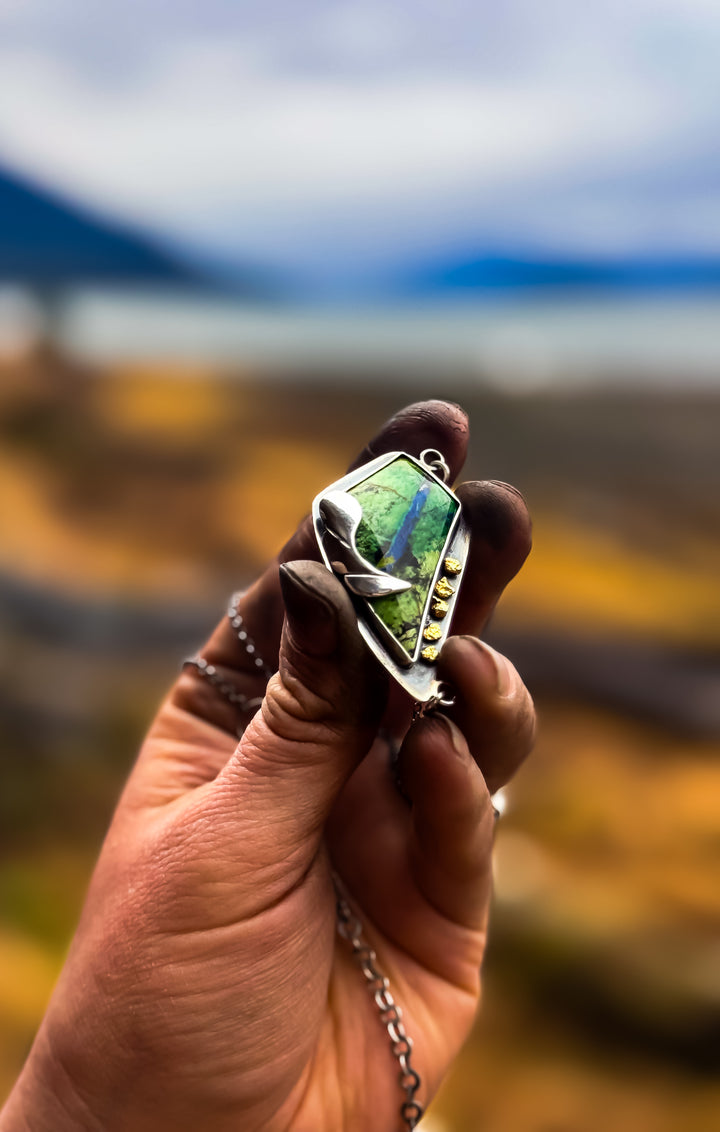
(135, 498)
(168, 449)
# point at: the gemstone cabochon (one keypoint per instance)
(405, 524)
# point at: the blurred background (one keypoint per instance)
(233, 238)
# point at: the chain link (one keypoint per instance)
(210, 673)
(236, 620)
(227, 690)
(350, 928)
(348, 925)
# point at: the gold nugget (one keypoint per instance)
(430, 654)
(439, 609)
(452, 566)
(432, 632)
(443, 588)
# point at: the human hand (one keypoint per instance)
(206, 986)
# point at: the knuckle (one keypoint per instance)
(293, 712)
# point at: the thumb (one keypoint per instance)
(319, 716)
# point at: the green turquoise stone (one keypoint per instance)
(405, 524)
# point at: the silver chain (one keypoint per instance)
(350, 928)
(210, 673)
(227, 690)
(348, 925)
(236, 620)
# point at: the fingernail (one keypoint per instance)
(508, 487)
(498, 668)
(456, 736)
(312, 619)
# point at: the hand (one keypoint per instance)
(206, 987)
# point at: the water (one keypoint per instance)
(516, 343)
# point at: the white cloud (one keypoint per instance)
(197, 127)
(264, 123)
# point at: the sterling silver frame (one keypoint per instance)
(416, 676)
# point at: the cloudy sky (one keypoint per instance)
(341, 136)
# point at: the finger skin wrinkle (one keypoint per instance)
(287, 720)
(301, 751)
(291, 693)
(436, 414)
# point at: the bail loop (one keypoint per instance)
(435, 461)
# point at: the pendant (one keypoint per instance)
(393, 532)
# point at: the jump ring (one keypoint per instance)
(435, 460)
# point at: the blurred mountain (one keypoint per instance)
(500, 272)
(48, 242)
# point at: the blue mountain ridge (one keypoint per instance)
(496, 272)
(49, 242)
(45, 240)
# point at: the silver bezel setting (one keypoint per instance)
(417, 676)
